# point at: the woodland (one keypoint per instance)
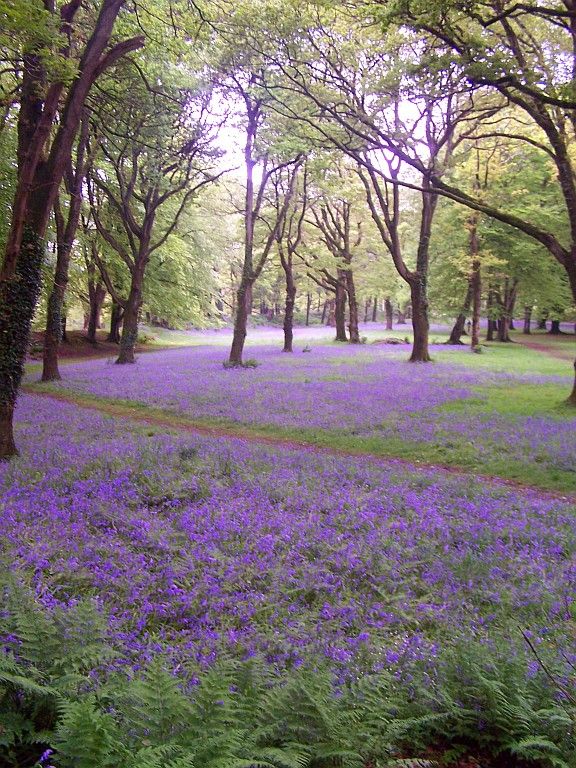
(287, 384)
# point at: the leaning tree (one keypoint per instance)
(60, 58)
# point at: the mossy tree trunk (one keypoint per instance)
(42, 155)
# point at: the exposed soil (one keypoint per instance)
(77, 346)
(546, 344)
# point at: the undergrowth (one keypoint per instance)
(68, 700)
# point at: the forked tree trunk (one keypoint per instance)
(527, 319)
(389, 312)
(340, 308)
(352, 308)
(420, 324)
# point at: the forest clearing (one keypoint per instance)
(287, 384)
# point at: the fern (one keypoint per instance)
(86, 737)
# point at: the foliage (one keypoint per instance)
(55, 704)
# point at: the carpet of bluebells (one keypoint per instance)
(206, 547)
(367, 391)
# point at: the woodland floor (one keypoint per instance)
(340, 504)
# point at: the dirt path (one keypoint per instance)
(181, 424)
(547, 349)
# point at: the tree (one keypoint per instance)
(256, 255)
(155, 155)
(524, 54)
(47, 91)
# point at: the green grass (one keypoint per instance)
(512, 358)
(459, 453)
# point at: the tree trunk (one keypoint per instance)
(331, 313)
(476, 286)
(18, 298)
(503, 325)
(65, 234)
(340, 307)
(555, 328)
(458, 328)
(324, 312)
(130, 323)
(491, 322)
(527, 319)
(40, 171)
(243, 299)
(542, 324)
(53, 331)
(116, 317)
(289, 308)
(375, 309)
(367, 304)
(352, 308)
(308, 308)
(401, 320)
(420, 324)
(7, 444)
(389, 311)
(97, 296)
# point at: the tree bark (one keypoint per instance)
(97, 295)
(458, 328)
(352, 308)
(420, 324)
(389, 312)
(240, 324)
(289, 306)
(331, 313)
(527, 319)
(375, 309)
(340, 308)
(116, 317)
(555, 328)
(491, 322)
(476, 285)
(308, 308)
(130, 321)
(65, 234)
(367, 304)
